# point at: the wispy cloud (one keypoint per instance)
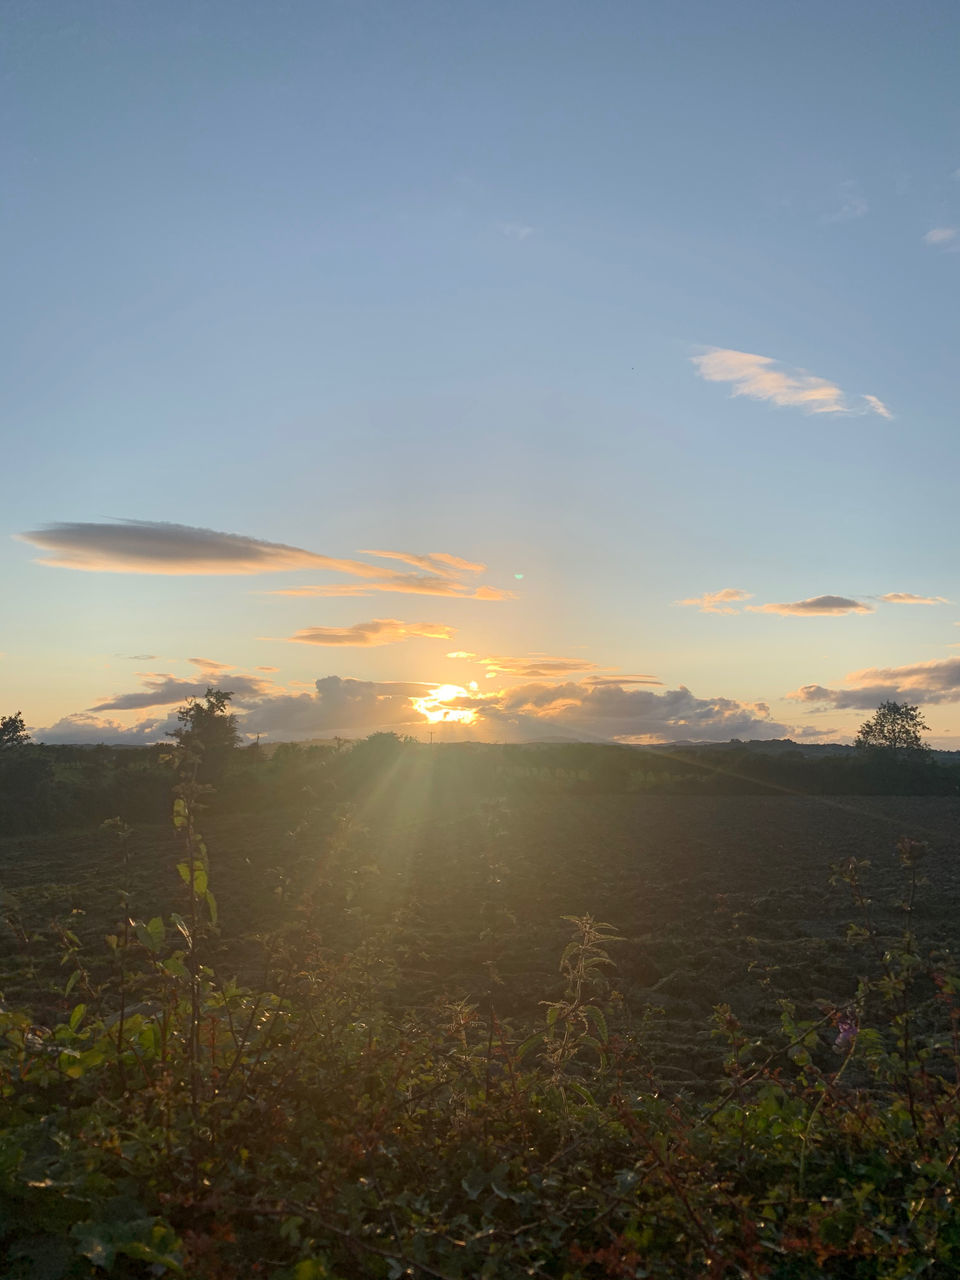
(814, 606)
(877, 406)
(717, 601)
(152, 547)
(941, 235)
(516, 230)
(542, 666)
(376, 632)
(907, 597)
(851, 204)
(401, 584)
(434, 562)
(761, 378)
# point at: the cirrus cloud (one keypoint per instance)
(762, 378)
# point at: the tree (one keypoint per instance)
(13, 732)
(895, 728)
(208, 729)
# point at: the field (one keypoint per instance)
(398, 1044)
(719, 899)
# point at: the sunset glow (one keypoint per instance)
(434, 706)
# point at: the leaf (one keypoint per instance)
(523, 1049)
(474, 1183)
(76, 1016)
(95, 1241)
(583, 1091)
(211, 906)
(180, 814)
(145, 936)
(311, 1269)
(175, 967)
(71, 982)
(599, 1020)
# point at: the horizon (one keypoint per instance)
(496, 374)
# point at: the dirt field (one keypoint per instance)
(719, 899)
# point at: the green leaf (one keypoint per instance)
(145, 936)
(583, 1091)
(523, 1049)
(95, 1241)
(311, 1269)
(600, 1021)
(76, 1016)
(211, 906)
(180, 814)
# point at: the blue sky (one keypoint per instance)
(551, 288)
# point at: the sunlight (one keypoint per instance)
(435, 706)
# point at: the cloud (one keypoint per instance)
(934, 681)
(852, 204)
(531, 666)
(145, 546)
(613, 712)
(717, 601)
(878, 406)
(160, 689)
(82, 728)
(337, 705)
(540, 666)
(941, 235)
(516, 230)
(907, 597)
(437, 562)
(402, 584)
(759, 378)
(815, 606)
(378, 631)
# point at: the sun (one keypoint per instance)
(436, 709)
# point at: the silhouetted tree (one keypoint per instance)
(895, 728)
(208, 729)
(13, 732)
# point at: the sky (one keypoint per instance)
(502, 371)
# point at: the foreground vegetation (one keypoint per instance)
(383, 1053)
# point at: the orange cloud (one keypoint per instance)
(717, 601)
(376, 632)
(907, 597)
(401, 584)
